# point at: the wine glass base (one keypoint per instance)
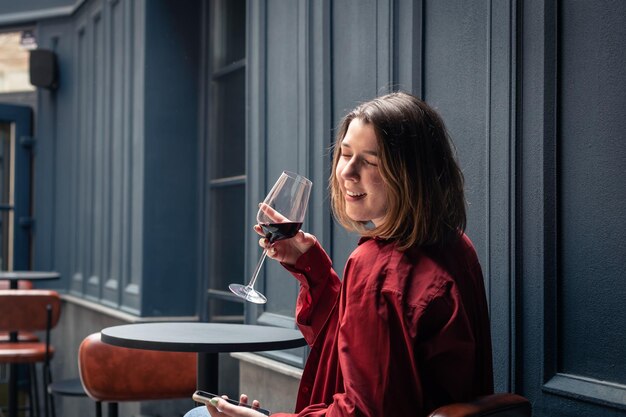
(248, 293)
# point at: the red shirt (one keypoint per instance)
(403, 334)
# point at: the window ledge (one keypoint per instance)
(270, 364)
(120, 315)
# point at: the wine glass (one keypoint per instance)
(280, 217)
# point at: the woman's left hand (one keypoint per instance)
(225, 409)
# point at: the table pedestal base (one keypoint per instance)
(208, 372)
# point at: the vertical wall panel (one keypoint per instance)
(500, 177)
(137, 150)
(319, 115)
(456, 49)
(116, 148)
(130, 284)
(283, 141)
(85, 138)
(256, 91)
(407, 46)
(107, 131)
(592, 160)
(170, 99)
(50, 207)
(572, 84)
(77, 264)
(385, 23)
(354, 79)
(94, 289)
(53, 177)
(282, 88)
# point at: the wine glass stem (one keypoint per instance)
(257, 269)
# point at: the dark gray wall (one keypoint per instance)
(571, 207)
(116, 174)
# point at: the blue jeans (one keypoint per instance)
(198, 412)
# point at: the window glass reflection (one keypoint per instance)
(14, 73)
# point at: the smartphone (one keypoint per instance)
(205, 397)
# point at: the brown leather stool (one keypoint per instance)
(114, 374)
(30, 310)
(22, 336)
(495, 405)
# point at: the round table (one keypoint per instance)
(207, 339)
(14, 276)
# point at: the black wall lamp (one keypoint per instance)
(43, 69)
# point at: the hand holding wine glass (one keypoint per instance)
(280, 216)
(287, 251)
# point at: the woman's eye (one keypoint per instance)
(345, 155)
(370, 163)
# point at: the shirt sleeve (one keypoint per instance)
(319, 291)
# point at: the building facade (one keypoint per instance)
(171, 120)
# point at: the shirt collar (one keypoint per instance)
(364, 239)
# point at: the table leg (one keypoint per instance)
(207, 372)
(13, 368)
(12, 390)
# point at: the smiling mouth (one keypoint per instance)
(355, 195)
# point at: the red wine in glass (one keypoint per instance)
(279, 231)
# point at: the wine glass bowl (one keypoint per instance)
(280, 216)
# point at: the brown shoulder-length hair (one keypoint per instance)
(426, 202)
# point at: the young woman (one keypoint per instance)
(407, 330)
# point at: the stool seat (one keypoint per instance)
(27, 352)
(21, 337)
(68, 387)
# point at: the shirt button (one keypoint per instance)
(307, 269)
(305, 389)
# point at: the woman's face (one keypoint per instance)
(358, 175)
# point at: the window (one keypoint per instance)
(14, 56)
(15, 187)
(226, 158)
(6, 197)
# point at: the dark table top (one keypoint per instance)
(202, 337)
(28, 275)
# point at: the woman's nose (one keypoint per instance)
(350, 171)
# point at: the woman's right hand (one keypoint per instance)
(286, 251)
